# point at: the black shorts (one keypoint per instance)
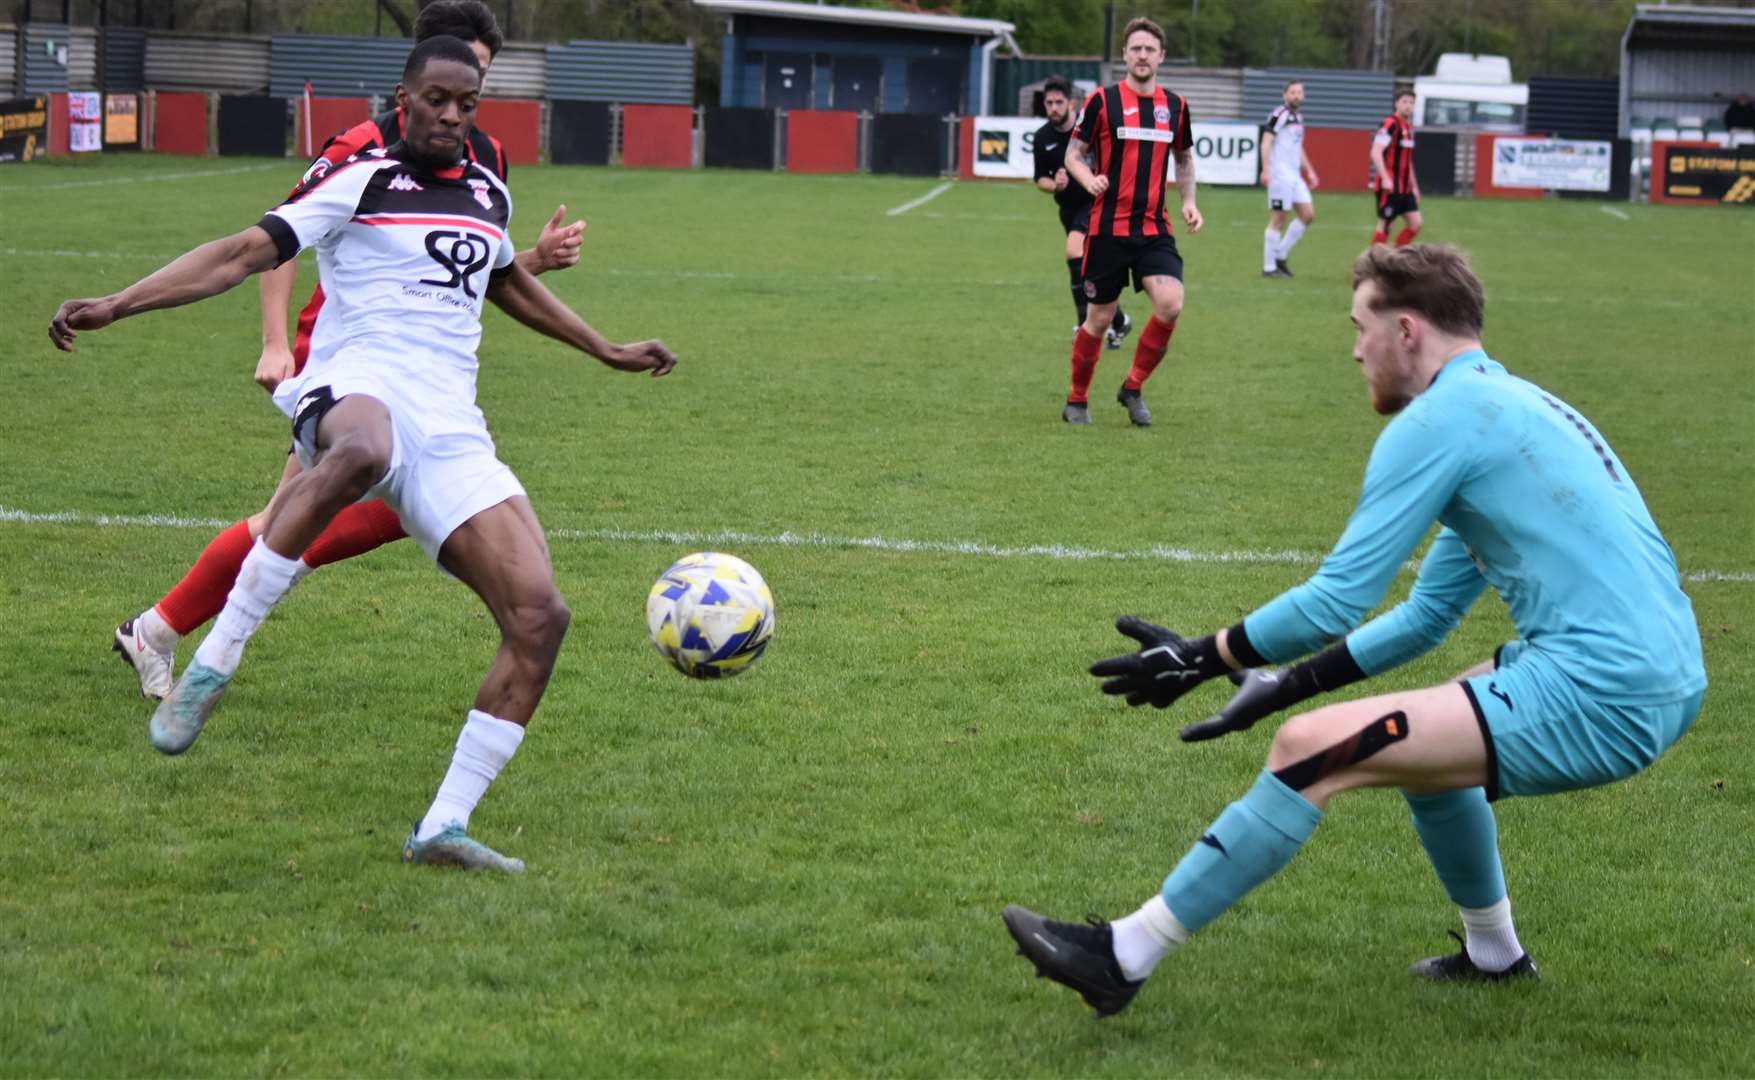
(1075, 219)
(1108, 260)
(1395, 204)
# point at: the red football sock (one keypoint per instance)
(1381, 236)
(355, 531)
(202, 592)
(1084, 364)
(1406, 237)
(1154, 339)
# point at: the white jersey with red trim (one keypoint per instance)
(404, 257)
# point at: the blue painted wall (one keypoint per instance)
(752, 37)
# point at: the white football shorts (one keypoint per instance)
(444, 469)
(1286, 190)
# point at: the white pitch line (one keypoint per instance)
(727, 537)
(922, 201)
(1614, 213)
(27, 189)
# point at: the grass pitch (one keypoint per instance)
(799, 872)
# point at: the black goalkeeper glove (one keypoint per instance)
(1167, 665)
(1261, 692)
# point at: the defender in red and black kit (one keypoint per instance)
(1131, 131)
(148, 642)
(1392, 164)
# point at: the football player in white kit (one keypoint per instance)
(1285, 167)
(410, 240)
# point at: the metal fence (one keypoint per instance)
(8, 59)
(45, 57)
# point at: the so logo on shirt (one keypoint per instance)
(460, 255)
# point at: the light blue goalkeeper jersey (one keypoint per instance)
(1532, 501)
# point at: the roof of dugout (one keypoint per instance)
(895, 20)
(1696, 26)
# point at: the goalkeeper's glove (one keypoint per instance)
(1167, 665)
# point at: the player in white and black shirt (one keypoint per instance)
(410, 240)
(1074, 202)
(1285, 168)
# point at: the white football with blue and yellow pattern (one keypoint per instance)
(710, 615)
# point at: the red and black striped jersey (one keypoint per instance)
(1131, 138)
(375, 134)
(1396, 136)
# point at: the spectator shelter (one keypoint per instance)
(779, 55)
(1681, 65)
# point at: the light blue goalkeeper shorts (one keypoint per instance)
(1545, 734)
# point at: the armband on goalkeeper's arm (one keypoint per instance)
(1261, 692)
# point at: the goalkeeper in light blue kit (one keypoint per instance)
(1605, 675)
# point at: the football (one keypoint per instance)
(710, 614)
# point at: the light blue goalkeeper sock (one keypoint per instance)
(1249, 843)
(1462, 841)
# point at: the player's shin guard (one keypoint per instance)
(1075, 268)
(1294, 233)
(1406, 236)
(263, 580)
(484, 746)
(1085, 351)
(202, 592)
(1249, 843)
(356, 530)
(1154, 339)
(1462, 840)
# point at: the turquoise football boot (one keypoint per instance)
(453, 847)
(180, 716)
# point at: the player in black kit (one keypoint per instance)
(1073, 201)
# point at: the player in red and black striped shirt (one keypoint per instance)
(1392, 159)
(149, 641)
(1131, 130)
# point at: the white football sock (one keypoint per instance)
(1492, 942)
(483, 748)
(1294, 233)
(263, 580)
(1270, 243)
(1146, 937)
(155, 631)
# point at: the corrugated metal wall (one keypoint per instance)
(520, 71)
(1332, 97)
(1212, 93)
(1685, 82)
(82, 50)
(202, 62)
(43, 74)
(1574, 108)
(622, 71)
(8, 59)
(336, 66)
(122, 56)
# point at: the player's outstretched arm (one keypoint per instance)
(206, 271)
(520, 295)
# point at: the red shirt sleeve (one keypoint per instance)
(1091, 127)
(362, 136)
